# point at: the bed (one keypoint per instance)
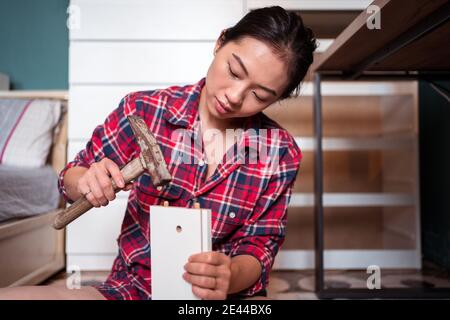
(30, 249)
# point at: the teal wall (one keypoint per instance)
(34, 43)
(434, 111)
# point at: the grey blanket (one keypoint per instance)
(27, 192)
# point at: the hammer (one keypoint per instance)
(150, 160)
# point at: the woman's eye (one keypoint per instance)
(231, 71)
(258, 98)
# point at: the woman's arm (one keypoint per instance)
(71, 178)
(245, 271)
(113, 140)
(263, 233)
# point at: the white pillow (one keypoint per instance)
(26, 131)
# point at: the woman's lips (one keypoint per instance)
(221, 108)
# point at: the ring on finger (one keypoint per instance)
(86, 193)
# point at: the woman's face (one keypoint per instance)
(244, 78)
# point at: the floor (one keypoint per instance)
(299, 284)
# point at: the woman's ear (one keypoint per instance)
(217, 46)
(220, 41)
(222, 34)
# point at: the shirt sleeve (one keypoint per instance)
(113, 139)
(263, 234)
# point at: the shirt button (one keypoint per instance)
(201, 163)
(232, 215)
(159, 188)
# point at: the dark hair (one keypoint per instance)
(287, 35)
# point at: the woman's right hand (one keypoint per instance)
(96, 183)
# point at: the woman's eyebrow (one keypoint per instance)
(238, 59)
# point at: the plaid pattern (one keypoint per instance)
(248, 199)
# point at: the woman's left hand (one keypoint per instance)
(210, 274)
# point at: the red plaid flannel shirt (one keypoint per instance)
(248, 201)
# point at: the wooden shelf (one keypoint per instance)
(367, 110)
(355, 200)
(352, 228)
(354, 237)
(359, 88)
(358, 44)
(349, 259)
(396, 142)
(35, 94)
(327, 23)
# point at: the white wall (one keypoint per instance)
(123, 46)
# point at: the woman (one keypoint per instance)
(259, 61)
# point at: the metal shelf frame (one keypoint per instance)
(361, 71)
(348, 293)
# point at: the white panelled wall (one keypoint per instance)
(123, 46)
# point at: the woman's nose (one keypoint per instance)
(235, 96)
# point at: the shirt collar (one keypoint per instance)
(182, 107)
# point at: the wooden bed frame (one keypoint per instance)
(31, 251)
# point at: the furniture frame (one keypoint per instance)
(31, 249)
(426, 22)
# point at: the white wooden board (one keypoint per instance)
(175, 234)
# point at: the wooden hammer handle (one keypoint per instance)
(65, 216)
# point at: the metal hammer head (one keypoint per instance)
(151, 156)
